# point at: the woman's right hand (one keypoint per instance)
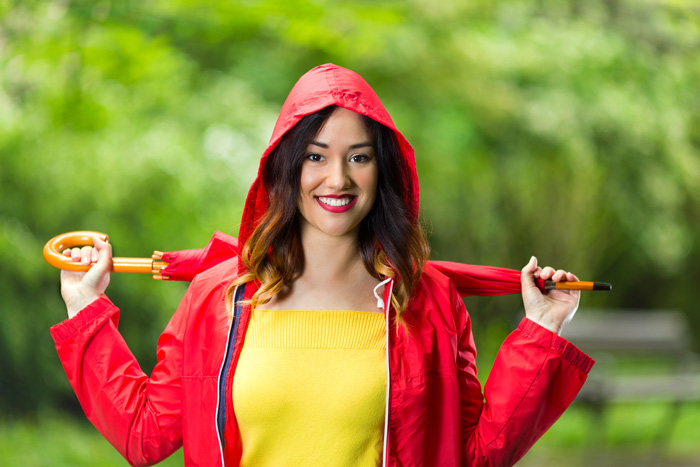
(79, 289)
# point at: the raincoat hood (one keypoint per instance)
(321, 87)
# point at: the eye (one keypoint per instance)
(314, 157)
(360, 158)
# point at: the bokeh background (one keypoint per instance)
(568, 129)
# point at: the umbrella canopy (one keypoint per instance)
(469, 279)
(183, 265)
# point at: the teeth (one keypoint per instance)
(335, 201)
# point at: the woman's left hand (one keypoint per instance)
(555, 309)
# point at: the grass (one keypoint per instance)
(60, 441)
(628, 438)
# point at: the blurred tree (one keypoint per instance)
(565, 129)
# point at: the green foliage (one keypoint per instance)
(565, 129)
(60, 441)
(628, 436)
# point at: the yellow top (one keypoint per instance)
(309, 388)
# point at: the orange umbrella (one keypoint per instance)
(183, 265)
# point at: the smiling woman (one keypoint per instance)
(337, 178)
(327, 340)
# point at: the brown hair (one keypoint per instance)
(390, 240)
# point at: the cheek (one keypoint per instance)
(308, 181)
(370, 181)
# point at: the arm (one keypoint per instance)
(535, 377)
(139, 416)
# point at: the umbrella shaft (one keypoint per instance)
(576, 285)
(138, 265)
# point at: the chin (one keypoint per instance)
(338, 231)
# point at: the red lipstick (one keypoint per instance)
(344, 202)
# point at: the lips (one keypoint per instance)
(336, 203)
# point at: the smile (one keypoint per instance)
(336, 203)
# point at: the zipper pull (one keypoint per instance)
(380, 301)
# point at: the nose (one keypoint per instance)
(338, 176)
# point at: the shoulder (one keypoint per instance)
(213, 282)
(435, 293)
(225, 271)
(435, 281)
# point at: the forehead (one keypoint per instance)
(344, 126)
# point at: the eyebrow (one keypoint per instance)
(353, 146)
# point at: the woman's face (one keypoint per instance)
(338, 177)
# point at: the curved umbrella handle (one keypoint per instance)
(54, 247)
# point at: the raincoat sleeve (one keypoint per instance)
(139, 416)
(535, 376)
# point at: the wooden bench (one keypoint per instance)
(642, 356)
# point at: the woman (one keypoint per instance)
(327, 340)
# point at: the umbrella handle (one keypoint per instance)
(54, 247)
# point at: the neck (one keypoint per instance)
(331, 258)
(334, 277)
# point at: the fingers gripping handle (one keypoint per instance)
(54, 256)
(54, 248)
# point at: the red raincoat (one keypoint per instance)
(436, 413)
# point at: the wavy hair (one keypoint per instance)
(391, 241)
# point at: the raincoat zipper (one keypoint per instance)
(220, 416)
(387, 309)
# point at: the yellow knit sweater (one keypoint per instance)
(309, 388)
